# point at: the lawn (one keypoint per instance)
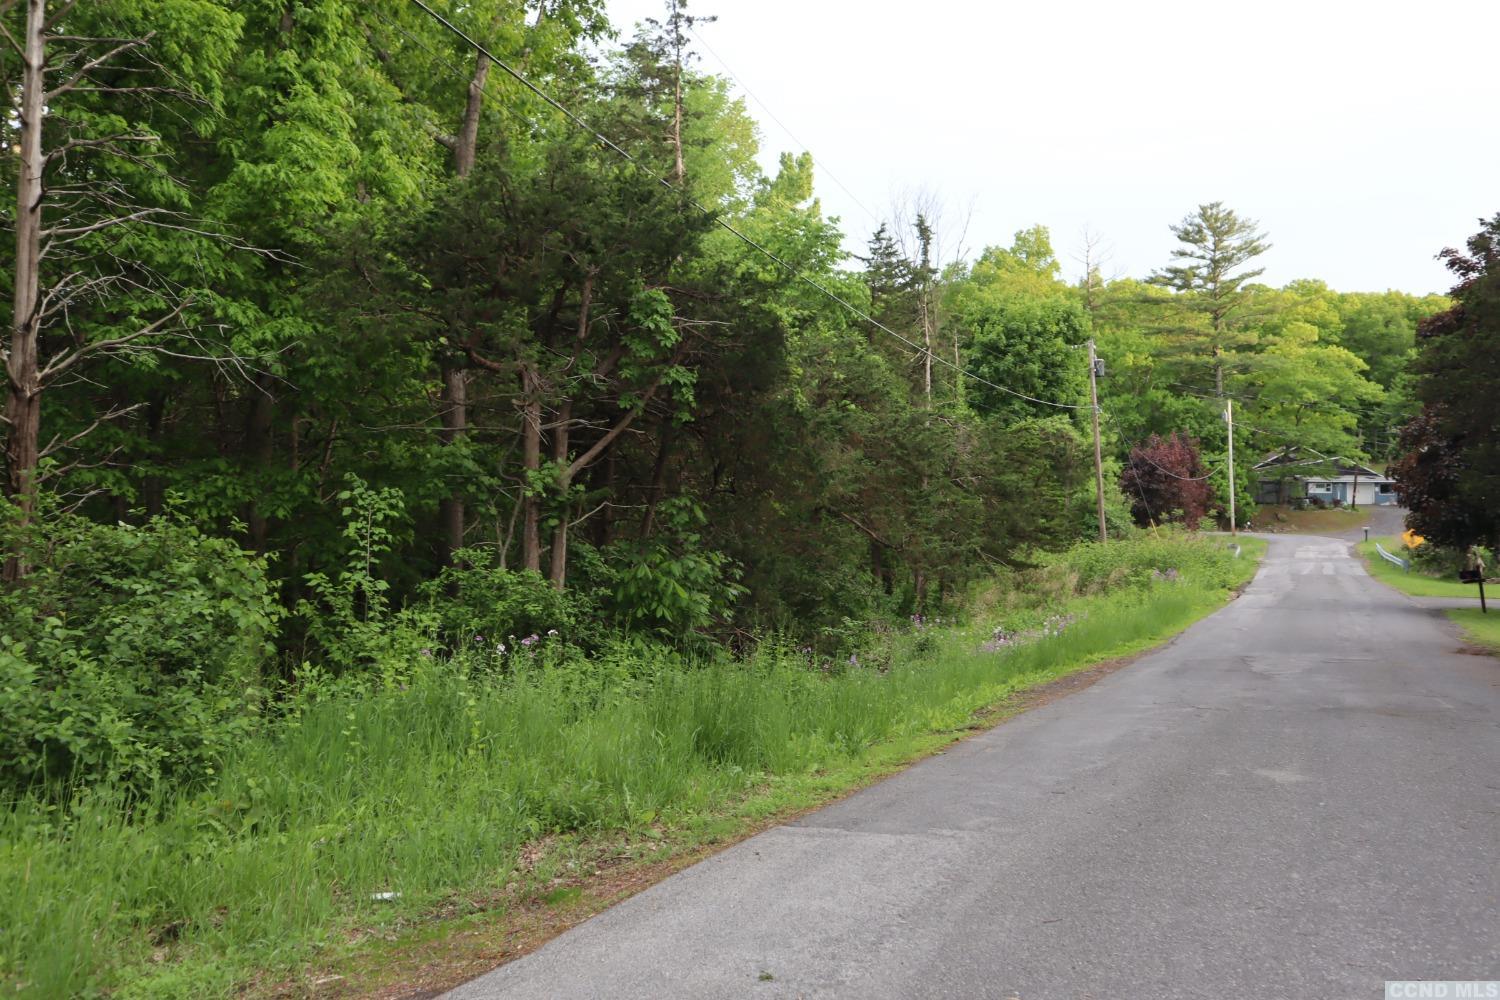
(1415, 583)
(1311, 521)
(1480, 628)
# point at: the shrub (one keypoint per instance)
(130, 654)
(1144, 559)
(475, 597)
(671, 584)
(1445, 561)
(350, 625)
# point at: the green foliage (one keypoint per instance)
(1437, 577)
(130, 655)
(1442, 562)
(349, 620)
(433, 788)
(670, 583)
(1029, 345)
(1146, 558)
(1216, 244)
(476, 601)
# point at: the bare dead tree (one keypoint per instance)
(1093, 254)
(931, 235)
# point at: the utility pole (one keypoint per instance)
(1229, 417)
(1098, 451)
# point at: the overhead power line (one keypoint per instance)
(714, 217)
(822, 167)
(1134, 449)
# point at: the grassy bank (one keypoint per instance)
(1479, 628)
(437, 786)
(1309, 520)
(1416, 583)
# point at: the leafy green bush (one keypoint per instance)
(1147, 558)
(671, 583)
(350, 624)
(474, 599)
(130, 654)
(1445, 562)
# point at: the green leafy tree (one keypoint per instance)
(1307, 394)
(105, 242)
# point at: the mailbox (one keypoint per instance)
(1470, 576)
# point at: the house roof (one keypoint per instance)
(1293, 458)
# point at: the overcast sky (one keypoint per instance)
(1364, 135)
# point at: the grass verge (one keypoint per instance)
(369, 840)
(1479, 628)
(1414, 583)
(1309, 521)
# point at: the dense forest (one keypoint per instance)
(354, 345)
(349, 338)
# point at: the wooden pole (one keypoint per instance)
(1229, 416)
(1098, 450)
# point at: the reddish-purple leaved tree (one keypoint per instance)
(1166, 481)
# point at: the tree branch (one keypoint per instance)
(95, 63)
(62, 364)
(57, 15)
(587, 458)
(56, 445)
(867, 530)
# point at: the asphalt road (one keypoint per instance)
(1299, 798)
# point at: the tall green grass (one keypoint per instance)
(432, 788)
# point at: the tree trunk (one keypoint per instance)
(258, 445)
(152, 488)
(678, 169)
(455, 394)
(466, 143)
(927, 348)
(455, 423)
(878, 567)
(23, 398)
(605, 533)
(558, 570)
(658, 480)
(531, 463)
(958, 367)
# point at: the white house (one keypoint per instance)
(1302, 472)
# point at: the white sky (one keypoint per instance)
(1364, 135)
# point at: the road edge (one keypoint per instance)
(573, 879)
